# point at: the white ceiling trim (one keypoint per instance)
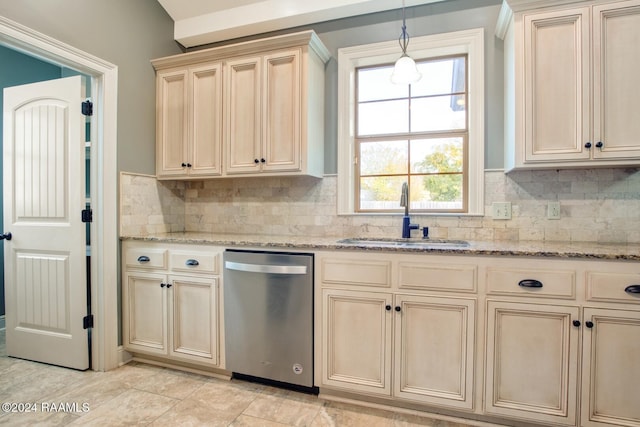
(193, 26)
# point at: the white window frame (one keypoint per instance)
(469, 42)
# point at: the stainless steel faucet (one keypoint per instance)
(406, 221)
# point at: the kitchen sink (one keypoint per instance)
(406, 243)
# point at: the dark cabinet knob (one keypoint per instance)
(184, 165)
(587, 145)
(256, 161)
(143, 258)
(387, 307)
(576, 323)
(169, 285)
(6, 236)
(599, 144)
(398, 308)
(162, 285)
(589, 324)
(632, 289)
(263, 161)
(188, 165)
(530, 283)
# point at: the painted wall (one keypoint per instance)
(17, 69)
(127, 33)
(452, 15)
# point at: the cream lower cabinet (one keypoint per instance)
(174, 316)
(407, 345)
(532, 361)
(431, 340)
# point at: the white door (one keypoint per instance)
(44, 194)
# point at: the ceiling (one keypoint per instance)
(198, 22)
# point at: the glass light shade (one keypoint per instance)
(405, 71)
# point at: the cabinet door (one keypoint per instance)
(611, 371)
(194, 319)
(532, 362)
(616, 32)
(145, 313)
(356, 341)
(205, 156)
(556, 85)
(243, 115)
(281, 111)
(172, 123)
(434, 350)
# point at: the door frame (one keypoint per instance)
(105, 353)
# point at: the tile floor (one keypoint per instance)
(140, 394)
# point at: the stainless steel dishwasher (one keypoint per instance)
(268, 314)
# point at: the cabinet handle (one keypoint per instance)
(162, 285)
(632, 289)
(530, 283)
(398, 308)
(599, 144)
(387, 307)
(256, 161)
(263, 161)
(188, 165)
(169, 285)
(587, 145)
(184, 165)
(191, 262)
(589, 324)
(143, 258)
(576, 323)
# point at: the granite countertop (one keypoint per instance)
(608, 251)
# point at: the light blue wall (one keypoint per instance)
(17, 69)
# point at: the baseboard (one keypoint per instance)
(2, 323)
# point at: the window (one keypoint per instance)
(429, 134)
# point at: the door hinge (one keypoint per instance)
(87, 321)
(87, 215)
(87, 108)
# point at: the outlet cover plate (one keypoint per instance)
(553, 210)
(501, 210)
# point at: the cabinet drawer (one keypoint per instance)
(538, 282)
(199, 262)
(613, 287)
(356, 272)
(438, 277)
(146, 258)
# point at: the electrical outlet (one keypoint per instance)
(501, 210)
(553, 210)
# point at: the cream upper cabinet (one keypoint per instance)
(189, 122)
(568, 72)
(260, 111)
(263, 113)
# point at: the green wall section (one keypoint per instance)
(17, 69)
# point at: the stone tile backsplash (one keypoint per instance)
(597, 205)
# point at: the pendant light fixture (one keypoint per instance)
(405, 70)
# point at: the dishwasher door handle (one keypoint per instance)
(266, 268)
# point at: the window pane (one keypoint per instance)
(437, 192)
(387, 117)
(374, 84)
(381, 193)
(440, 77)
(437, 113)
(437, 155)
(383, 157)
